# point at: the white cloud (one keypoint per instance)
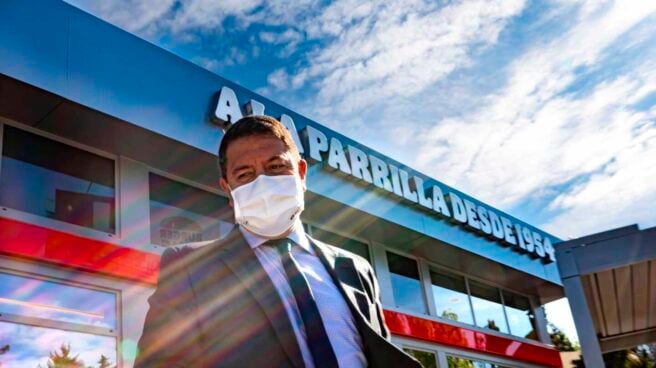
(199, 15)
(388, 66)
(287, 41)
(207, 63)
(185, 18)
(278, 79)
(532, 135)
(383, 50)
(139, 16)
(621, 194)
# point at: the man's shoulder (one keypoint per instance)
(184, 248)
(182, 252)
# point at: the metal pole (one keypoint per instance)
(583, 321)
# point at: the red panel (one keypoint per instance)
(460, 337)
(43, 244)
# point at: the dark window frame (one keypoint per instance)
(420, 279)
(190, 186)
(74, 145)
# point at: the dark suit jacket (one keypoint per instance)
(215, 306)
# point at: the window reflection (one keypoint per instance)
(406, 286)
(31, 346)
(425, 358)
(351, 245)
(24, 296)
(56, 181)
(180, 213)
(488, 309)
(457, 362)
(520, 315)
(450, 296)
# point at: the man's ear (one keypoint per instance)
(225, 187)
(302, 172)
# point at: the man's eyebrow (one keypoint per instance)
(277, 157)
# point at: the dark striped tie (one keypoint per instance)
(317, 338)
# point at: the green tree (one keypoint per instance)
(3, 350)
(560, 340)
(450, 315)
(637, 357)
(492, 325)
(63, 358)
(104, 362)
(455, 362)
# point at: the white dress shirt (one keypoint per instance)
(335, 313)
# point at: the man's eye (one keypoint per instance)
(243, 176)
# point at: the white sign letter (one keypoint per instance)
(439, 204)
(254, 107)
(419, 184)
(359, 164)
(318, 143)
(508, 231)
(394, 173)
(486, 227)
(288, 122)
(497, 228)
(336, 157)
(407, 191)
(380, 173)
(227, 108)
(472, 219)
(458, 207)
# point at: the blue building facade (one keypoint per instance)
(109, 156)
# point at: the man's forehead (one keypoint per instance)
(256, 148)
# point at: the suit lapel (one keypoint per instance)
(242, 261)
(345, 276)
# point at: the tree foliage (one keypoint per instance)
(63, 358)
(104, 362)
(560, 340)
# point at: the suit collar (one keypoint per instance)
(236, 253)
(297, 235)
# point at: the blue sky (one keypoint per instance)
(545, 109)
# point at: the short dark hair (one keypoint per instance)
(253, 125)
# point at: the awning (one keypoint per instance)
(610, 281)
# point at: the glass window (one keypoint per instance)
(25, 296)
(49, 324)
(488, 309)
(405, 282)
(30, 346)
(180, 213)
(427, 359)
(56, 181)
(457, 362)
(351, 245)
(450, 296)
(520, 315)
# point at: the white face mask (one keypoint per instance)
(269, 205)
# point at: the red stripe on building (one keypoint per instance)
(54, 246)
(405, 325)
(43, 244)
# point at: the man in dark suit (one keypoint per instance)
(266, 295)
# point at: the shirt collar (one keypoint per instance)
(297, 236)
